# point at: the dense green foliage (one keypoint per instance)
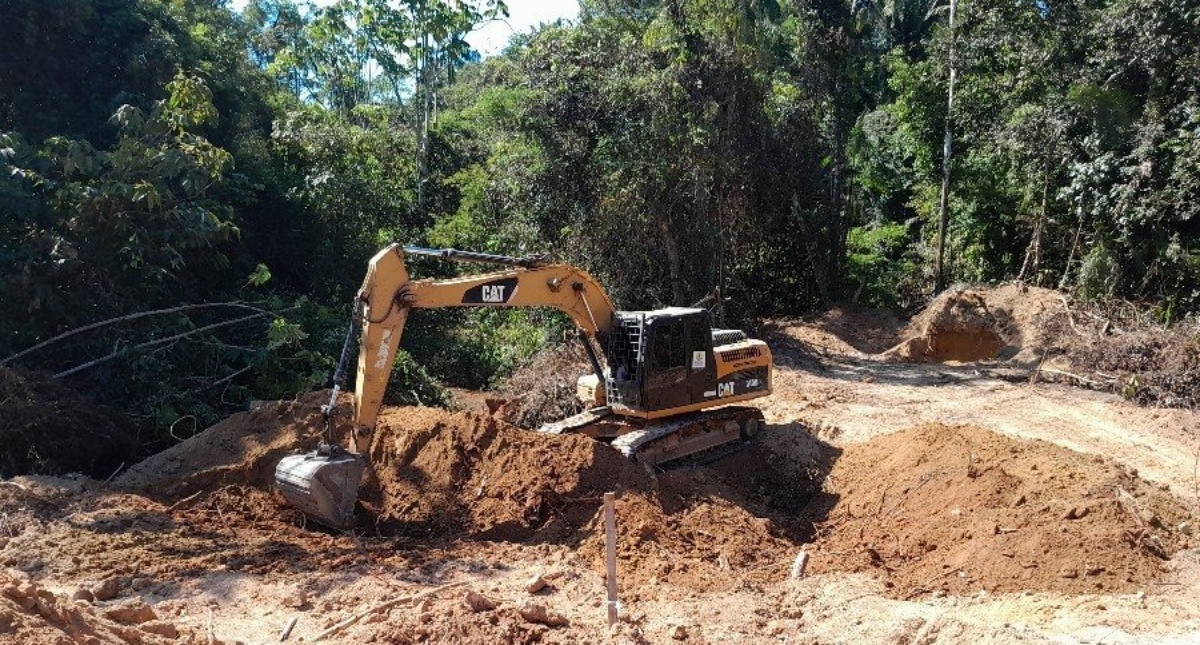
(761, 157)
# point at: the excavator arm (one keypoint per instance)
(388, 294)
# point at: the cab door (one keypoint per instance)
(667, 365)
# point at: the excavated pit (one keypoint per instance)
(963, 346)
(929, 509)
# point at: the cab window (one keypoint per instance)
(670, 345)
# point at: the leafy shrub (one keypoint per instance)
(410, 384)
(1099, 274)
(879, 264)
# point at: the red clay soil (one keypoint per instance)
(961, 509)
(1009, 322)
(704, 544)
(444, 484)
(32, 615)
(456, 473)
(466, 475)
(439, 475)
(931, 508)
(845, 330)
(868, 330)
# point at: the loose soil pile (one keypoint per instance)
(440, 475)
(1015, 323)
(846, 330)
(32, 615)
(243, 449)
(961, 509)
(48, 428)
(1110, 347)
(932, 508)
(461, 473)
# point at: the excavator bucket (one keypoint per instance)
(323, 484)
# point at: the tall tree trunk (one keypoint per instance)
(423, 126)
(817, 259)
(1033, 254)
(674, 264)
(1066, 276)
(947, 152)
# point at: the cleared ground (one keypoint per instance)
(939, 502)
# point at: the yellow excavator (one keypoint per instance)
(662, 392)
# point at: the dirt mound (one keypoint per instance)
(431, 470)
(242, 449)
(961, 509)
(1011, 322)
(932, 508)
(722, 526)
(845, 330)
(454, 473)
(440, 476)
(544, 389)
(48, 428)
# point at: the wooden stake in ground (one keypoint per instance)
(799, 565)
(610, 554)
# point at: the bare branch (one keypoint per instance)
(227, 378)
(133, 316)
(159, 341)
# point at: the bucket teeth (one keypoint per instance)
(323, 485)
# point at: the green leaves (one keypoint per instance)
(881, 264)
(282, 333)
(260, 276)
(134, 217)
(189, 103)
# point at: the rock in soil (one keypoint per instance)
(535, 613)
(131, 612)
(107, 589)
(478, 602)
(536, 584)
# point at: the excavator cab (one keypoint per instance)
(669, 361)
(662, 359)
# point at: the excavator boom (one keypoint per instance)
(387, 295)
